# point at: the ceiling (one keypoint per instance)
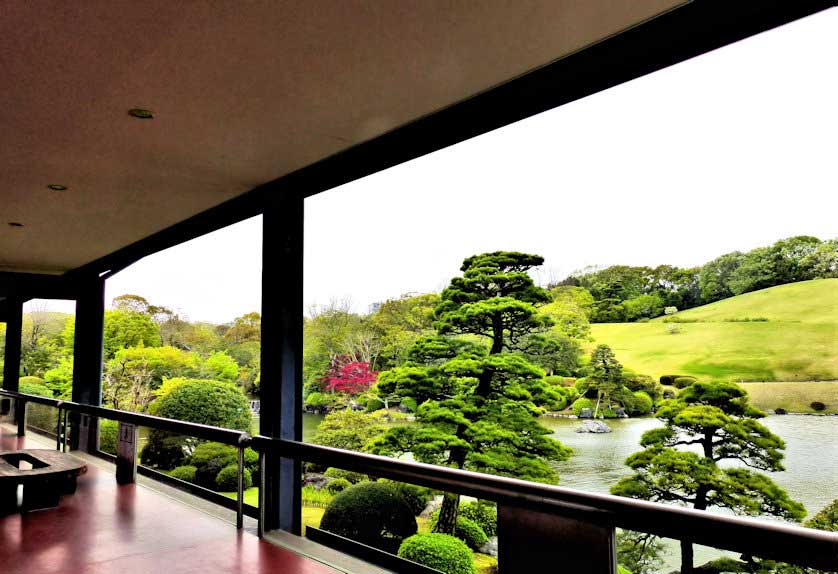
(242, 93)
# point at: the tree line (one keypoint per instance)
(621, 293)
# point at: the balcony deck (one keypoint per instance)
(105, 528)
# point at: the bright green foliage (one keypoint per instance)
(581, 403)
(643, 306)
(639, 403)
(228, 479)
(717, 418)
(605, 374)
(33, 386)
(440, 551)
(209, 458)
(206, 402)
(553, 353)
(353, 477)
(479, 410)
(570, 311)
(374, 404)
(409, 403)
(338, 485)
(484, 513)
(349, 430)
(220, 367)
(371, 513)
(60, 379)
(132, 375)
(186, 473)
(470, 532)
(398, 323)
(124, 328)
(108, 435)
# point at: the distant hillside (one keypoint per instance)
(813, 301)
(799, 342)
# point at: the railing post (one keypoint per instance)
(282, 350)
(58, 428)
(126, 454)
(20, 416)
(528, 540)
(240, 490)
(262, 489)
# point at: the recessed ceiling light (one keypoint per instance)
(57, 187)
(141, 113)
(15, 224)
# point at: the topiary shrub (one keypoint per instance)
(228, 478)
(580, 404)
(470, 532)
(164, 450)
(338, 485)
(440, 551)
(374, 405)
(371, 513)
(210, 458)
(415, 497)
(29, 380)
(108, 435)
(353, 477)
(186, 472)
(817, 406)
(483, 513)
(640, 404)
(683, 382)
(206, 402)
(780, 411)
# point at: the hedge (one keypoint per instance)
(483, 513)
(580, 404)
(228, 478)
(186, 472)
(338, 485)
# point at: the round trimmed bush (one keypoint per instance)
(470, 532)
(683, 382)
(371, 513)
(228, 480)
(580, 404)
(186, 472)
(440, 551)
(415, 497)
(817, 406)
(641, 404)
(483, 513)
(353, 477)
(165, 450)
(338, 485)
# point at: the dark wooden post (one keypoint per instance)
(126, 453)
(14, 332)
(11, 364)
(528, 540)
(87, 358)
(282, 348)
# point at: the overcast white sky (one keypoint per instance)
(731, 150)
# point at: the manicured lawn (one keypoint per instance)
(799, 342)
(795, 397)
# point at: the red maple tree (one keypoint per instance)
(350, 377)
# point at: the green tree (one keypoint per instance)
(125, 328)
(478, 407)
(570, 311)
(714, 277)
(400, 322)
(349, 430)
(220, 367)
(605, 374)
(132, 375)
(717, 419)
(822, 262)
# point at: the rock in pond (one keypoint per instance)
(594, 427)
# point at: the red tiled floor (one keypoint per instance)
(128, 529)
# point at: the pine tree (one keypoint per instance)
(479, 403)
(717, 419)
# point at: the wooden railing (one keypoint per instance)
(537, 522)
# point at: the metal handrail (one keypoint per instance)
(766, 539)
(197, 430)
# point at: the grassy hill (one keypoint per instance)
(799, 342)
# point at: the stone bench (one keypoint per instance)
(46, 475)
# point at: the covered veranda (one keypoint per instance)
(132, 128)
